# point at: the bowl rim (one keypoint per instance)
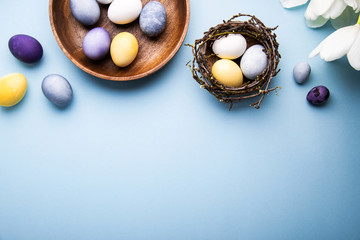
(134, 77)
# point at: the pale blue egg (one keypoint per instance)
(301, 72)
(153, 19)
(87, 12)
(57, 90)
(253, 62)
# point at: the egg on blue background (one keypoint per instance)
(96, 43)
(124, 11)
(227, 72)
(87, 12)
(124, 49)
(301, 72)
(25, 48)
(153, 19)
(12, 89)
(231, 46)
(57, 90)
(253, 62)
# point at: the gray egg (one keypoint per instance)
(153, 19)
(57, 89)
(301, 72)
(87, 12)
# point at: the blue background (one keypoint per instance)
(160, 158)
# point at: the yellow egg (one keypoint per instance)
(124, 49)
(12, 89)
(228, 73)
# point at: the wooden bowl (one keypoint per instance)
(153, 54)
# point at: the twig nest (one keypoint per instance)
(259, 61)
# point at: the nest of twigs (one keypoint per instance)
(255, 32)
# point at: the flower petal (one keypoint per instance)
(347, 18)
(354, 54)
(336, 9)
(316, 51)
(292, 3)
(316, 23)
(355, 4)
(338, 43)
(320, 7)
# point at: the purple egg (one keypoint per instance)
(25, 48)
(318, 95)
(96, 44)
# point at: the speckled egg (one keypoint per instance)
(104, 1)
(253, 62)
(25, 48)
(301, 72)
(318, 95)
(12, 89)
(96, 43)
(124, 49)
(230, 47)
(153, 19)
(124, 11)
(228, 73)
(87, 12)
(57, 90)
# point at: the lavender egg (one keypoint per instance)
(153, 19)
(57, 90)
(318, 95)
(87, 12)
(96, 43)
(25, 48)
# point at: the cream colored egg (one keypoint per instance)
(124, 49)
(124, 11)
(230, 47)
(12, 89)
(228, 73)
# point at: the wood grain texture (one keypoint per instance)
(153, 54)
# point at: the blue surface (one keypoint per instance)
(160, 158)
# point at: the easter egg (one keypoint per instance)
(253, 62)
(228, 73)
(87, 12)
(318, 95)
(124, 49)
(25, 48)
(12, 89)
(104, 1)
(230, 47)
(96, 43)
(301, 72)
(124, 11)
(153, 19)
(57, 90)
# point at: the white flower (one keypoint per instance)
(319, 12)
(344, 41)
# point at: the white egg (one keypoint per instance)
(124, 11)
(254, 62)
(104, 1)
(230, 47)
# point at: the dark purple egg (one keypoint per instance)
(318, 95)
(25, 48)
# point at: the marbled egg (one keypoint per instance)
(96, 43)
(124, 49)
(57, 89)
(87, 12)
(104, 1)
(25, 48)
(230, 47)
(124, 11)
(301, 72)
(253, 62)
(227, 72)
(153, 19)
(318, 95)
(12, 89)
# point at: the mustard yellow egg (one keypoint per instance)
(124, 49)
(12, 89)
(228, 73)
